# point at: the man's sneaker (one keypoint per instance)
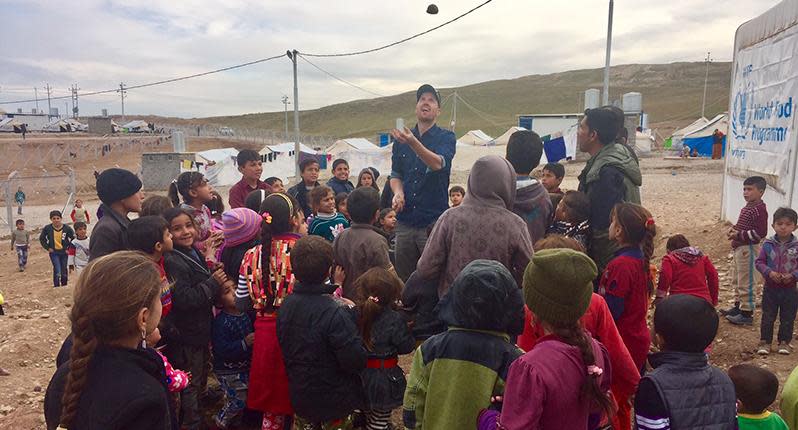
(763, 348)
(740, 319)
(730, 312)
(785, 348)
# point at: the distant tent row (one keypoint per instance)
(64, 126)
(137, 126)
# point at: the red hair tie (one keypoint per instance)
(649, 222)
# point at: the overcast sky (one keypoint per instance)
(100, 43)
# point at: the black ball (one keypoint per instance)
(432, 9)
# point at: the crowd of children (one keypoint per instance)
(292, 301)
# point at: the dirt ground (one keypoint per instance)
(683, 195)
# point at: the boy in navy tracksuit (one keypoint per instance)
(778, 264)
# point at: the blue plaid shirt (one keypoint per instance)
(426, 191)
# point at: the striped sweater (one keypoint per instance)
(752, 225)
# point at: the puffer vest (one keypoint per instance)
(697, 395)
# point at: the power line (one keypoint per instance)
(479, 113)
(368, 51)
(340, 79)
(165, 81)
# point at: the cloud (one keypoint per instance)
(100, 43)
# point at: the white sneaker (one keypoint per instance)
(763, 348)
(785, 348)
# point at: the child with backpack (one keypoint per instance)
(386, 336)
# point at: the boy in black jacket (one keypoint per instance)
(56, 238)
(321, 346)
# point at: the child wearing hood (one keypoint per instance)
(564, 381)
(455, 373)
(532, 201)
(686, 270)
(368, 178)
(482, 227)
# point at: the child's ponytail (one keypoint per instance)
(638, 229)
(182, 186)
(376, 290)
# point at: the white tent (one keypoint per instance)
(286, 147)
(279, 160)
(222, 170)
(77, 125)
(761, 138)
(643, 142)
(57, 125)
(475, 137)
(137, 126)
(719, 122)
(353, 144)
(376, 157)
(504, 138)
(9, 124)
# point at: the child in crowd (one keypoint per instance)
(455, 373)
(176, 379)
(696, 394)
(571, 218)
(386, 336)
(368, 178)
(56, 238)
(241, 228)
(120, 194)
(362, 246)
(387, 223)
(20, 242)
(532, 202)
(78, 250)
(155, 205)
(195, 190)
(626, 283)
(340, 181)
(553, 174)
(194, 292)
(789, 400)
(19, 198)
(778, 264)
(276, 184)
(564, 381)
(216, 206)
(598, 321)
(150, 235)
(756, 389)
(456, 195)
(419, 302)
(686, 270)
(340, 205)
(79, 213)
(327, 222)
(264, 282)
(232, 354)
(251, 167)
(255, 198)
(751, 228)
(309, 170)
(323, 351)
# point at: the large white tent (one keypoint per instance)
(475, 138)
(220, 166)
(137, 126)
(286, 147)
(279, 160)
(9, 124)
(678, 135)
(352, 144)
(761, 138)
(504, 138)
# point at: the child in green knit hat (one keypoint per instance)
(563, 382)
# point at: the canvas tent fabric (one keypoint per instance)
(224, 171)
(279, 160)
(476, 138)
(10, 125)
(359, 159)
(643, 143)
(505, 138)
(678, 135)
(136, 126)
(702, 138)
(286, 147)
(356, 144)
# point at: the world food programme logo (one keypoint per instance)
(742, 107)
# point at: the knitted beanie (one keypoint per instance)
(558, 284)
(240, 225)
(116, 184)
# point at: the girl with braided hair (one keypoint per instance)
(112, 380)
(264, 281)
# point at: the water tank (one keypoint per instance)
(632, 103)
(592, 97)
(644, 121)
(105, 112)
(178, 141)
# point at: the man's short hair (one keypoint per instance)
(362, 204)
(457, 189)
(20, 221)
(787, 213)
(79, 225)
(524, 150)
(146, 232)
(339, 161)
(686, 323)
(756, 388)
(245, 156)
(304, 164)
(557, 169)
(311, 259)
(757, 181)
(55, 213)
(317, 194)
(604, 122)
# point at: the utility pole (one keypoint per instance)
(122, 93)
(75, 108)
(48, 89)
(36, 96)
(297, 149)
(706, 77)
(606, 96)
(286, 103)
(454, 111)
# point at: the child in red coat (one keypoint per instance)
(686, 270)
(626, 283)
